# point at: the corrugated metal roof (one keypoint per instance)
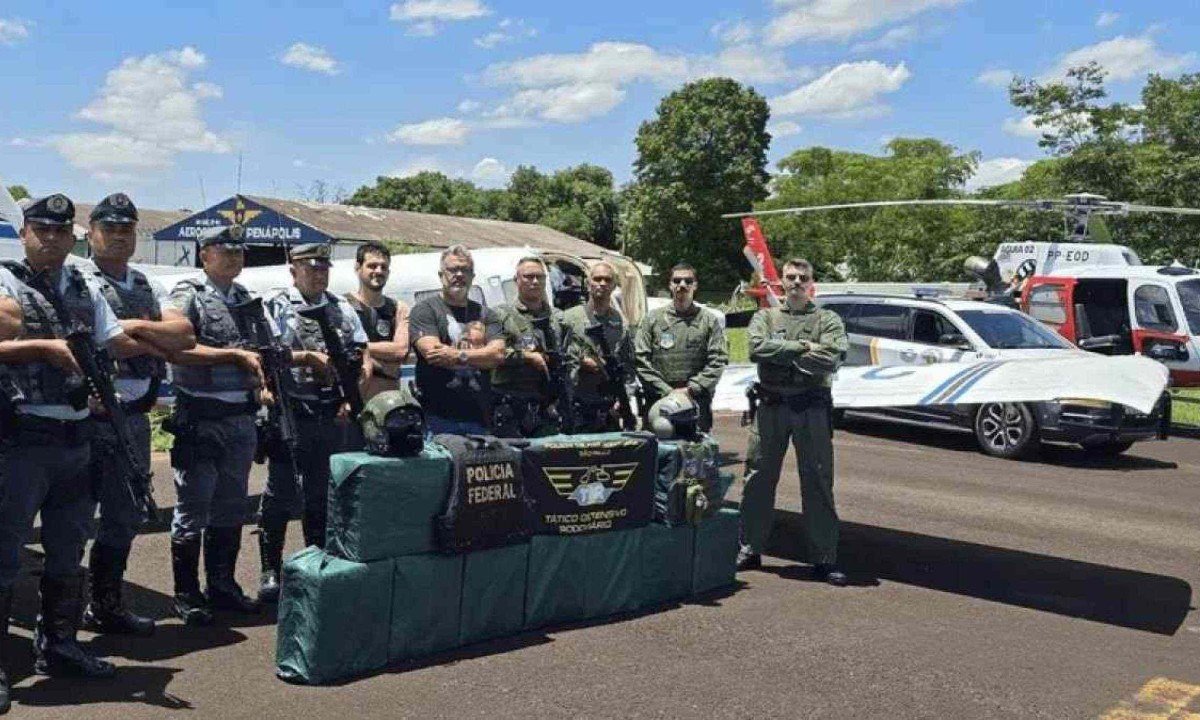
(364, 224)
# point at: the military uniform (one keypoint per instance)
(133, 296)
(45, 453)
(797, 352)
(319, 433)
(523, 396)
(215, 439)
(593, 402)
(681, 350)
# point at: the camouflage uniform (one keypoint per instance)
(798, 353)
(522, 404)
(681, 350)
(593, 403)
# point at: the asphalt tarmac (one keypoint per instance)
(980, 588)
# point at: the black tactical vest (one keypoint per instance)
(215, 327)
(486, 507)
(380, 323)
(138, 302)
(308, 337)
(41, 382)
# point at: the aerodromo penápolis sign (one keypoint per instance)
(263, 225)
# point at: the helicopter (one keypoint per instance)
(1098, 295)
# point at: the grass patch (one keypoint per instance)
(739, 350)
(160, 440)
(1182, 411)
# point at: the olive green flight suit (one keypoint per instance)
(797, 352)
(681, 350)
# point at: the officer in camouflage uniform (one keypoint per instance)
(322, 418)
(681, 348)
(523, 393)
(112, 235)
(798, 348)
(45, 450)
(215, 437)
(595, 407)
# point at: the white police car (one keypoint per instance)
(911, 330)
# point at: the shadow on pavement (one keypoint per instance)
(138, 684)
(1058, 455)
(1110, 595)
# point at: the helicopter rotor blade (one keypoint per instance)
(877, 203)
(1163, 209)
(10, 211)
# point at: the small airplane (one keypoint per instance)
(1096, 294)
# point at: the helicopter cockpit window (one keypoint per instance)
(1045, 304)
(1189, 298)
(1152, 307)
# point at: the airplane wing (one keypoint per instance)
(1133, 381)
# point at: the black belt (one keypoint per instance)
(37, 430)
(797, 401)
(202, 408)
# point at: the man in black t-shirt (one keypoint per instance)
(455, 338)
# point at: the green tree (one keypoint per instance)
(18, 192)
(704, 153)
(427, 192)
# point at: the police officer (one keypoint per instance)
(524, 389)
(384, 319)
(681, 348)
(595, 404)
(323, 419)
(112, 235)
(457, 341)
(45, 451)
(215, 437)
(798, 348)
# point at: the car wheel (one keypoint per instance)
(1006, 430)
(1106, 448)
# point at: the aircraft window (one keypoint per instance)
(1152, 306)
(1011, 330)
(1189, 298)
(879, 320)
(929, 327)
(1045, 304)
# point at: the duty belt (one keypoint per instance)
(36, 430)
(202, 408)
(796, 401)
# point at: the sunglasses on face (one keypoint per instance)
(683, 281)
(458, 271)
(797, 277)
(602, 279)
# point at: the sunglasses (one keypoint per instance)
(683, 281)
(797, 277)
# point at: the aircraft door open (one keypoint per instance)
(1159, 331)
(1050, 300)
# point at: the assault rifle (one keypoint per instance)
(347, 362)
(276, 359)
(614, 370)
(561, 390)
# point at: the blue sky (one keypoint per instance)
(159, 102)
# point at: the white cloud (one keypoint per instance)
(733, 32)
(841, 19)
(1107, 18)
(784, 128)
(441, 131)
(151, 114)
(848, 90)
(13, 31)
(507, 31)
(419, 165)
(997, 78)
(490, 172)
(565, 103)
(1124, 58)
(20, 142)
(747, 63)
(468, 106)
(423, 16)
(997, 171)
(311, 57)
(1022, 127)
(890, 40)
(613, 63)
(298, 163)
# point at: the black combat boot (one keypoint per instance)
(313, 526)
(55, 649)
(190, 604)
(272, 532)
(6, 595)
(106, 612)
(221, 546)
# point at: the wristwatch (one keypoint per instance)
(462, 357)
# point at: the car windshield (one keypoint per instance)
(1011, 330)
(1189, 297)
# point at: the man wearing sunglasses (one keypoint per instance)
(680, 348)
(798, 348)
